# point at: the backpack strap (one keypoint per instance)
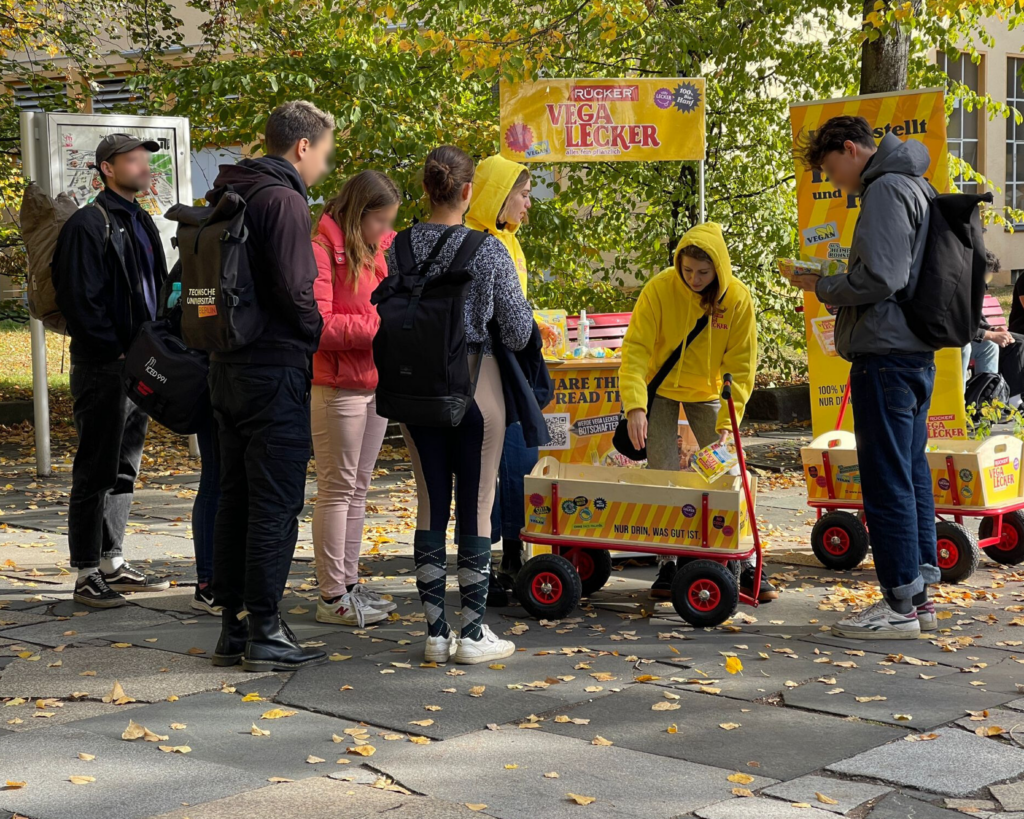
(467, 250)
(422, 267)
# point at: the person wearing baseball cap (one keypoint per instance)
(108, 268)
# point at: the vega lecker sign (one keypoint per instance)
(617, 120)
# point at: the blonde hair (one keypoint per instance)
(365, 192)
(521, 182)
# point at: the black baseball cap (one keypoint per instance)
(113, 144)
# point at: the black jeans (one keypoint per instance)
(262, 417)
(111, 433)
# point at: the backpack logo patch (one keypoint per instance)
(207, 310)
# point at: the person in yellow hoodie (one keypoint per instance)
(501, 200)
(699, 291)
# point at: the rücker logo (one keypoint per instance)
(605, 93)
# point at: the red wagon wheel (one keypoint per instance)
(594, 566)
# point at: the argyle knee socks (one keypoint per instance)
(431, 571)
(474, 578)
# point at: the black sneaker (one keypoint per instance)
(92, 590)
(662, 588)
(128, 579)
(202, 600)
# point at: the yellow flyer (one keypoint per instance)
(827, 215)
(603, 120)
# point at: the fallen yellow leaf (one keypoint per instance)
(477, 690)
(87, 757)
(81, 780)
(422, 722)
(551, 775)
(314, 760)
(581, 800)
(11, 785)
(733, 665)
(665, 705)
(337, 658)
(740, 778)
(826, 800)
(277, 713)
(178, 726)
(599, 740)
(420, 740)
(672, 729)
(475, 805)
(175, 749)
(259, 732)
(728, 726)
(741, 792)
(252, 697)
(362, 750)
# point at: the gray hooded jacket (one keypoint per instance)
(885, 254)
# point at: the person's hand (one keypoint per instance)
(1000, 337)
(723, 436)
(636, 425)
(806, 281)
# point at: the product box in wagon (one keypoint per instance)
(841, 448)
(984, 473)
(617, 505)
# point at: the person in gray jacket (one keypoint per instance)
(893, 371)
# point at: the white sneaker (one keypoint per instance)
(348, 610)
(489, 647)
(440, 649)
(374, 599)
(879, 622)
(926, 616)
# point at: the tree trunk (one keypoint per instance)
(883, 61)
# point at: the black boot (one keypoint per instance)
(273, 647)
(233, 634)
(511, 557)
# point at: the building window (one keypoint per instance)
(1014, 196)
(112, 94)
(41, 98)
(962, 130)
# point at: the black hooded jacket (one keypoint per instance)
(281, 259)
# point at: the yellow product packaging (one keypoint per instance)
(825, 334)
(714, 461)
(554, 332)
(818, 267)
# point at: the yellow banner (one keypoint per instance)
(602, 120)
(826, 217)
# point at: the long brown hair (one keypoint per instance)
(521, 182)
(709, 295)
(365, 192)
(446, 170)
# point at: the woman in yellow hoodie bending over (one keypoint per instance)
(700, 284)
(501, 199)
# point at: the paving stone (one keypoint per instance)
(267, 687)
(955, 764)
(218, 729)
(145, 674)
(970, 805)
(11, 619)
(133, 780)
(927, 702)
(758, 809)
(1010, 796)
(901, 806)
(94, 623)
(69, 712)
(848, 795)
(928, 647)
(1002, 677)
(472, 768)
(176, 598)
(1000, 717)
(787, 743)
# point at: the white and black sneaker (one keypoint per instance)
(92, 590)
(879, 622)
(202, 600)
(126, 578)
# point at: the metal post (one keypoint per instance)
(40, 398)
(700, 195)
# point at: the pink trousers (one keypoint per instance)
(347, 434)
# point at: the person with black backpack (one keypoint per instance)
(107, 269)
(893, 368)
(437, 375)
(260, 376)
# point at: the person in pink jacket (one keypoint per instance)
(353, 233)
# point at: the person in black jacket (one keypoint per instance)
(260, 394)
(107, 271)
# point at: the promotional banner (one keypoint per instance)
(603, 120)
(826, 217)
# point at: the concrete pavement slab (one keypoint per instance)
(1001, 677)
(506, 770)
(29, 717)
(147, 675)
(133, 780)
(848, 795)
(901, 806)
(956, 764)
(784, 742)
(758, 809)
(1010, 797)
(84, 624)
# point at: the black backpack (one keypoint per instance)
(166, 379)
(945, 308)
(420, 350)
(984, 389)
(220, 312)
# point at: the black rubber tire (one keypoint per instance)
(964, 562)
(1010, 552)
(563, 583)
(600, 568)
(849, 539)
(705, 576)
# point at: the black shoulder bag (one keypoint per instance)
(621, 440)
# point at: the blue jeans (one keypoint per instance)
(985, 355)
(890, 395)
(204, 509)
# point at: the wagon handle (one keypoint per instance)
(843, 405)
(727, 396)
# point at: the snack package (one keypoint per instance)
(714, 461)
(819, 267)
(554, 332)
(824, 329)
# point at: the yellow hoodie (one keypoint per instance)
(492, 182)
(663, 317)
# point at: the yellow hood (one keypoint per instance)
(492, 183)
(708, 237)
